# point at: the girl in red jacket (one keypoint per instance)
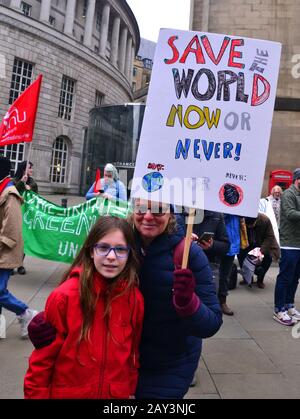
(97, 311)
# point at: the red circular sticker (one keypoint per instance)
(231, 195)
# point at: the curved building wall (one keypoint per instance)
(276, 21)
(85, 51)
(113, 137)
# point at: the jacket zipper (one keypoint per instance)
(102, 363)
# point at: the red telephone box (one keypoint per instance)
(283, 178)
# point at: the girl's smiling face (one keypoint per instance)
(110, 254)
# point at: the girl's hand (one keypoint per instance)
(27, 187)
(194, 237)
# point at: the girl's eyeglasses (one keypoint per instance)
(102, 249)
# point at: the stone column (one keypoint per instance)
(104, 29)
(89, 23)
(128, 66)
(45, 10)
(15, 4)
(122, 50)
(70, 17)
(131, 64)
(115, 41)
(205, 15)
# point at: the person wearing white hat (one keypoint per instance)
(111, 186)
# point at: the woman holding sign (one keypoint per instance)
(181, 305)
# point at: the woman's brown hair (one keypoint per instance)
(88, 297)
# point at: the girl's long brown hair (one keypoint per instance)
(88, 297)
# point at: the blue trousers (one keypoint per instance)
(7, 300)
(287, 279)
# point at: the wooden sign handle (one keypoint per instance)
(188, 237)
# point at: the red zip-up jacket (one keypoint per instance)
(104, 367)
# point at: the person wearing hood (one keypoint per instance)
(11, 245)
(111, 186)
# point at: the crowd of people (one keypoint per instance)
(127, 304)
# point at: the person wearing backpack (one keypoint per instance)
(181, 305)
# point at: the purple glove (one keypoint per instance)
(185, 300)
(40, 332)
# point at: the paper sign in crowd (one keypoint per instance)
(207, 124)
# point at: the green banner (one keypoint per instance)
(56, 233)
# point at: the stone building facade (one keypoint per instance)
(271, 20)
(85, 51)
(142, 69)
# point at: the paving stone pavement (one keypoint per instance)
(251, 356)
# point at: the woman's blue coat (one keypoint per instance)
(171, 345)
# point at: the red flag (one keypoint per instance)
(18, 123)
(97, 185)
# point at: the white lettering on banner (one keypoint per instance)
(67, 223)
(12, 119)
(49, 224)
(68, 248)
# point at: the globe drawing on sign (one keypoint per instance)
(152, 182)
(231, 195)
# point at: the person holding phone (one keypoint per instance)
(213, 239)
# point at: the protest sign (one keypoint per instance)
(56, 233)
(207, 124)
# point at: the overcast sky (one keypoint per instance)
(152, 15)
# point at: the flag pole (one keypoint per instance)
(28, 157)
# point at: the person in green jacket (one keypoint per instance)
(289, 267)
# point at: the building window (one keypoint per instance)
(84, 10)
(15, 153)
(98, 20)
(134, 71)
(66, 99)
(21, 78)
(99, 98)
(96, 49)
(52, 21)
(26, 8)
(59, 160)
(134, 86)
(148, 63)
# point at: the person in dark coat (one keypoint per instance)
(181, 306)
(260, 234)
(232, 223)
(24, 181)
(215, 248)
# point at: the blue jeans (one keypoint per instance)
(7, 300)
(287, 279)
